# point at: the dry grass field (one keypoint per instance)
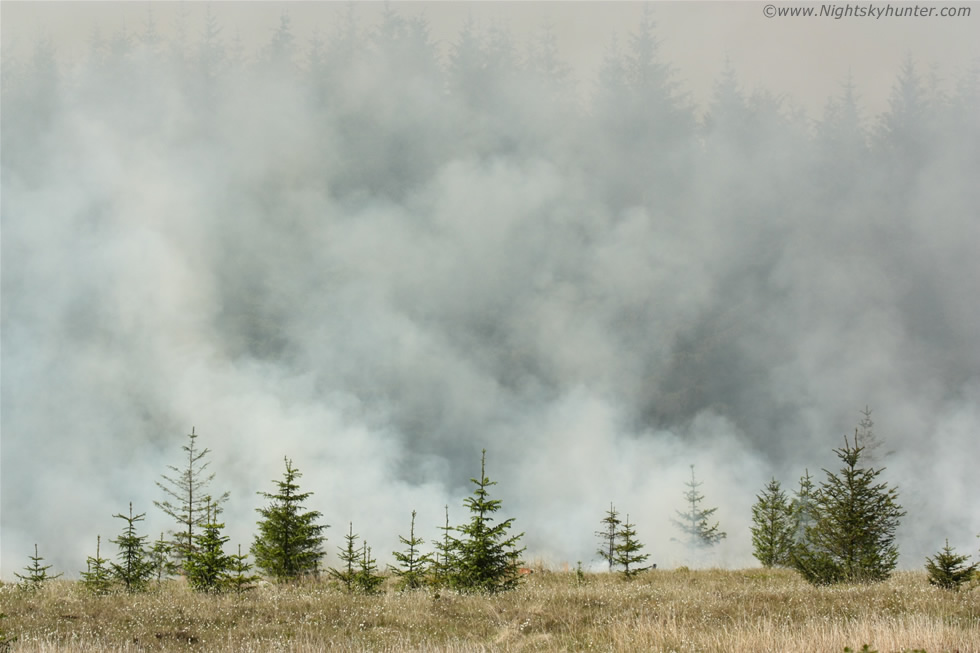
(680, 610)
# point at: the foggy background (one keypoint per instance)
(602, 241)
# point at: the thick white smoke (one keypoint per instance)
(378, 256)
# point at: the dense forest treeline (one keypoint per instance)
(375, 113)
(390, 252)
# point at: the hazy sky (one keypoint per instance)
(380, 281)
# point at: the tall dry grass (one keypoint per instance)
(711, 610)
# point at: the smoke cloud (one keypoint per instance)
(377, 253)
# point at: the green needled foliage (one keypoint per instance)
(445, 555)
(608, 535)
(97, 578)
(853, 539)
(290, 542)
(367, 579)
(627, 552)
(772, 527)
(413, 567)
(487, 557)
(946, 569)
(349, 556)
(37, 574)
(207, 566)
(161, 556)
(187, 499)
(238, 579)
(804, 510)
(134, 569)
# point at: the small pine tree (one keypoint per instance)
(866, 437)
(445, 555)
(134, 569)
(947, 570)
(694, 521)
(238, 579)
(366, 578)
(804, 510)
(37, 574)
(487, 558)
(207, 565)
(853, 539)
(772, 530)
(348, 555)
(610, 529)
(159, 556)
(627, 551)
(413, 566)
(290, 542)
(97, 578)
(187, 497)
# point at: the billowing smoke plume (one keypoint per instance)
(377, 256)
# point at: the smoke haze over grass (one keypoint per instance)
(379, 254)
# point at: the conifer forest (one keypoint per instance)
(429, 326)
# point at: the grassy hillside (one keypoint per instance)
(680, 610)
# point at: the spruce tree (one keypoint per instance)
(804, 510)
(290, 542)
(366, 578)
(97, 578)
(134, 569)
(238, 578)
(947, 570)
(349, 556)
(608, 534)
(853, 539)
(187, 497)
(487, 558)
(160, 557)
(866, 438)
(627, 553)
(207, 566)
(694, 521)
(772, 529)
(445, 555)
(413, 566)
(37, 574)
